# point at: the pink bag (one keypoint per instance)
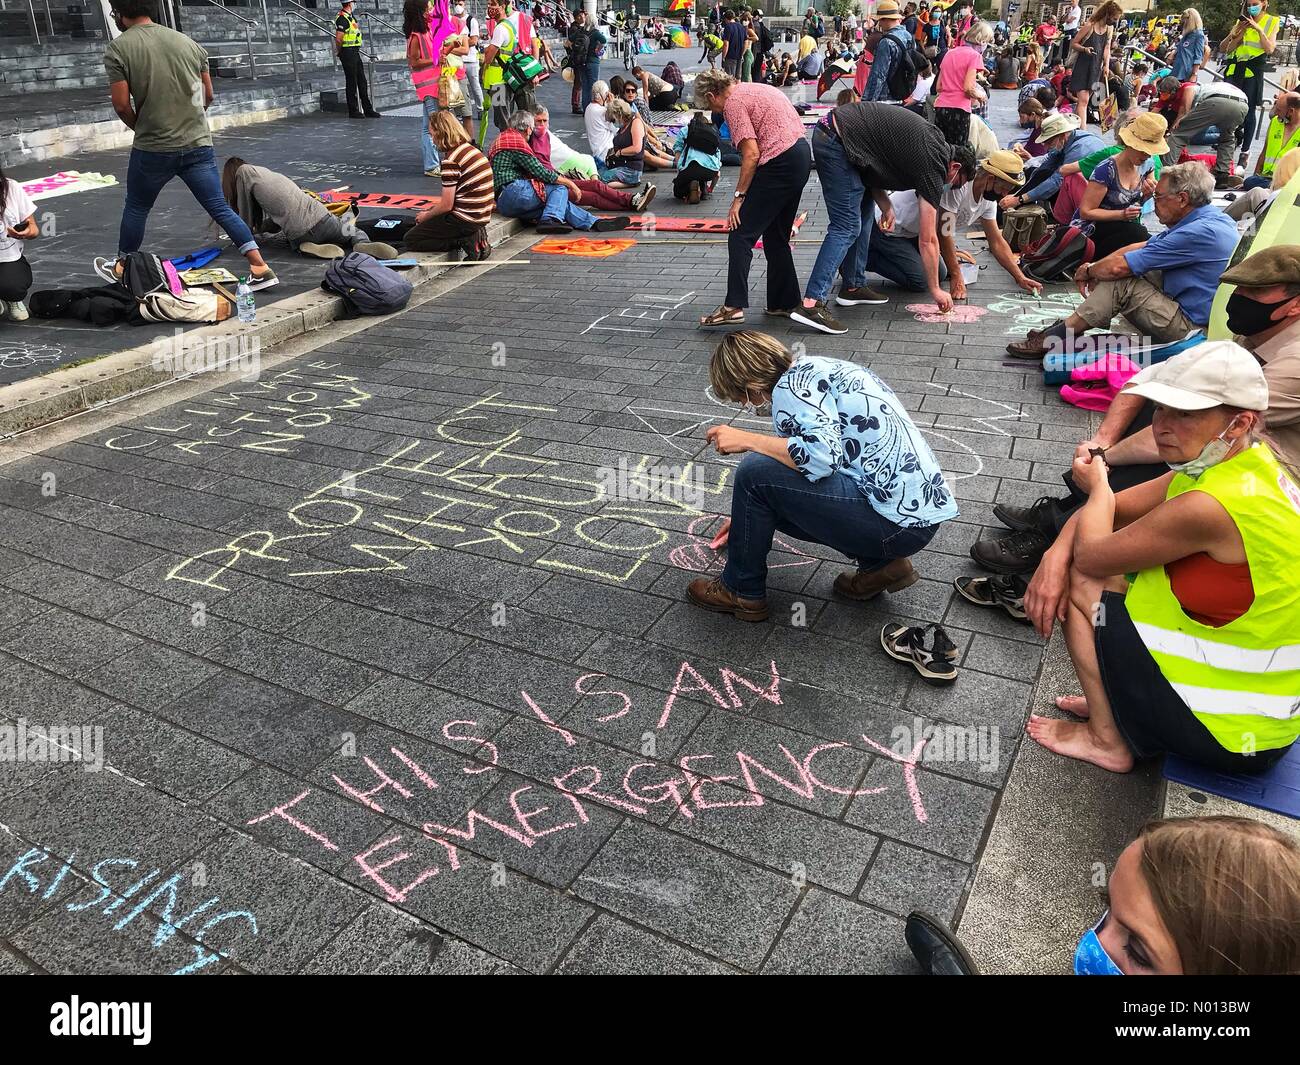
(1093, 386)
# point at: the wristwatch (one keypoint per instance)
(738, 195)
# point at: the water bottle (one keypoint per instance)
(245, 302)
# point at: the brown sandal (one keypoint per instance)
(722, 316)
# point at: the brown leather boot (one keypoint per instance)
(714, 595)
(863, 584)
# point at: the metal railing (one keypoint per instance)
(248, 34)
(295, 8)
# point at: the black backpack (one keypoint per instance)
(703, 136)
(902, 78)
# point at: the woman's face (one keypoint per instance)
(1181, 435)
(1133, 934)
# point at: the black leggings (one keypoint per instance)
(661, 101)
(693, 172)
(15, 280)
(954, 124)
(1253, 87)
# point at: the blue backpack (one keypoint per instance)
(366, 285)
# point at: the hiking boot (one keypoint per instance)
(714, 595)
(1020, 552)
(867, 584)
(1228, 181)
(1034, 346)
(907, 644)
(478, 249)
(611, 225)
(18, 311)
(858, 295)
(817, 317)
(1001, 590)
(1043, 514)
(693, 193)
(642, 199)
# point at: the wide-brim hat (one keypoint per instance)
(1146, 133)
(1004, 165)
(1055, 125)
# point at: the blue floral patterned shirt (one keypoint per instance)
(840, 416)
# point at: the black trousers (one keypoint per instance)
(354, 73)
(1111, 236)
(693, 172)
(768, 212)
(661, 101)
(15, 280)
(1254, 90)
(1120, 477)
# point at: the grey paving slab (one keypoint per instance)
(692, 894)
(383, 941)
(829, 934)
(610, 947)
(903, 879)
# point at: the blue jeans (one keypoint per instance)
(518, 200)
(625, 175)
(148, 172)
(590, 74)
(848, 234)
(429, 151)
(897, 259)
(769, 496)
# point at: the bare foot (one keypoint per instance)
(1073, 704)
(1075, 740)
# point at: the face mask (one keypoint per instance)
(1091, 959)
(1254, 10)
(459, 9)
(1246, 316)
(1211, 455)
(991, 194)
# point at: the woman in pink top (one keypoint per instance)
(957, 86)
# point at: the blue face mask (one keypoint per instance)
(1254, 9)
(1090, 958)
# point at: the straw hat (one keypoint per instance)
(1004, 165)
(1055, 125)
(888, 9)
(1146, 133)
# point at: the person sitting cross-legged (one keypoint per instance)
(526, 188)
(1163, 287)
(848, 468)
(1195, 655)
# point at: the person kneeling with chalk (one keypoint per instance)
(848, 468)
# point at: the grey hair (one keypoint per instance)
(540, 110)
(599, 90)
(522, 122)
(711, 83)
(979, 33)
(617, 112)
(1194, 179)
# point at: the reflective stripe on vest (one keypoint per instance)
(1250, 46)
(1274, 148)
(494, 75)
(352, 35)
(1242, 679)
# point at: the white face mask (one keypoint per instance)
(1211, 455)
(458, 10)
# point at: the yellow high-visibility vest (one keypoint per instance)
(1251, 47)
(352, 35)
(1275, 147)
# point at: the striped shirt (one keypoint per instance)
(467, 170)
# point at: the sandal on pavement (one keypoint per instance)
(722, 316)
(906, 643)
(1003, 590)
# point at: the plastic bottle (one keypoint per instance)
(245, 302)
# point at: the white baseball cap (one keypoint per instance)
(1216, 373)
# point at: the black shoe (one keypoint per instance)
(936, 949)
(357, 115)
(373, 114)
(611, 225)
(1042, 515)
(1020, 552)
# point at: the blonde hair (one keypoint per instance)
(617, 111)
(1227, 889)
(747, 359)
(711, 83)
(1192, 19)
(979, 33)
(1284, 169)
(446, 131)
